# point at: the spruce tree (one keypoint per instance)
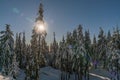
(34, 51)
(29, 65)
(36, 44)
(15, 67)
(8, 56)
(79, 57)
(54, 48)
(88, 52)
(23, 50)
(94, 51)
(19, 51)
(102, 44)
(114, 55)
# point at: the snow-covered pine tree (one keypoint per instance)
(63, 60)
(29, 59)
(109, 40)
(41, 50)
(45, 51)
(102, 47)
(7, 44)
(54, 50)
(79, 57)
(66, 57)
(37, 36)
(114, 55)
(41, 36)
(15, 68)
(87, 41)
(50, 59)
(16, 47)
(23, 50)
(19, 52)
(34, 52)
(94, 52)
(59, 54)
(78, 61)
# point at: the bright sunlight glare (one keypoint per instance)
(40, 27)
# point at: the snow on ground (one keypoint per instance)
(99, 74)
(4, 78)
(98, 77)
(48, 73)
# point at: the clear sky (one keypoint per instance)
(61, 15)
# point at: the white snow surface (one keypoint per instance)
(48, 73)
(4, 77)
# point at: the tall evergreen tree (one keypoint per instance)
(88, 52)
(102, 47)
(8, 56)
(94, 51)
(80, 56)
(114, 55)
(41, 36)
(15, 67)
(87, 41)
(23, 50)
(29, 63)
(34, 51)
(54, 50)
(36, 42)
(19, 54)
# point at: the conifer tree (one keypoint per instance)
(34, 51)
(23, 50)
(36, 42)
(20, 55)
(88, 52)
(15, 67)
(29, 63)
(87, 42)
(102, 47)
(16, 48)
(9, 64)
(114, 55)
(54, 48)
(94, 51)
(79, 57)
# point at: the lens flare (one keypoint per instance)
(41, 27)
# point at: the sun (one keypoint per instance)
(40, 27)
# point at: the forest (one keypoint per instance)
(75, 56)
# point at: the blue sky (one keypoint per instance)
(60, 15)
